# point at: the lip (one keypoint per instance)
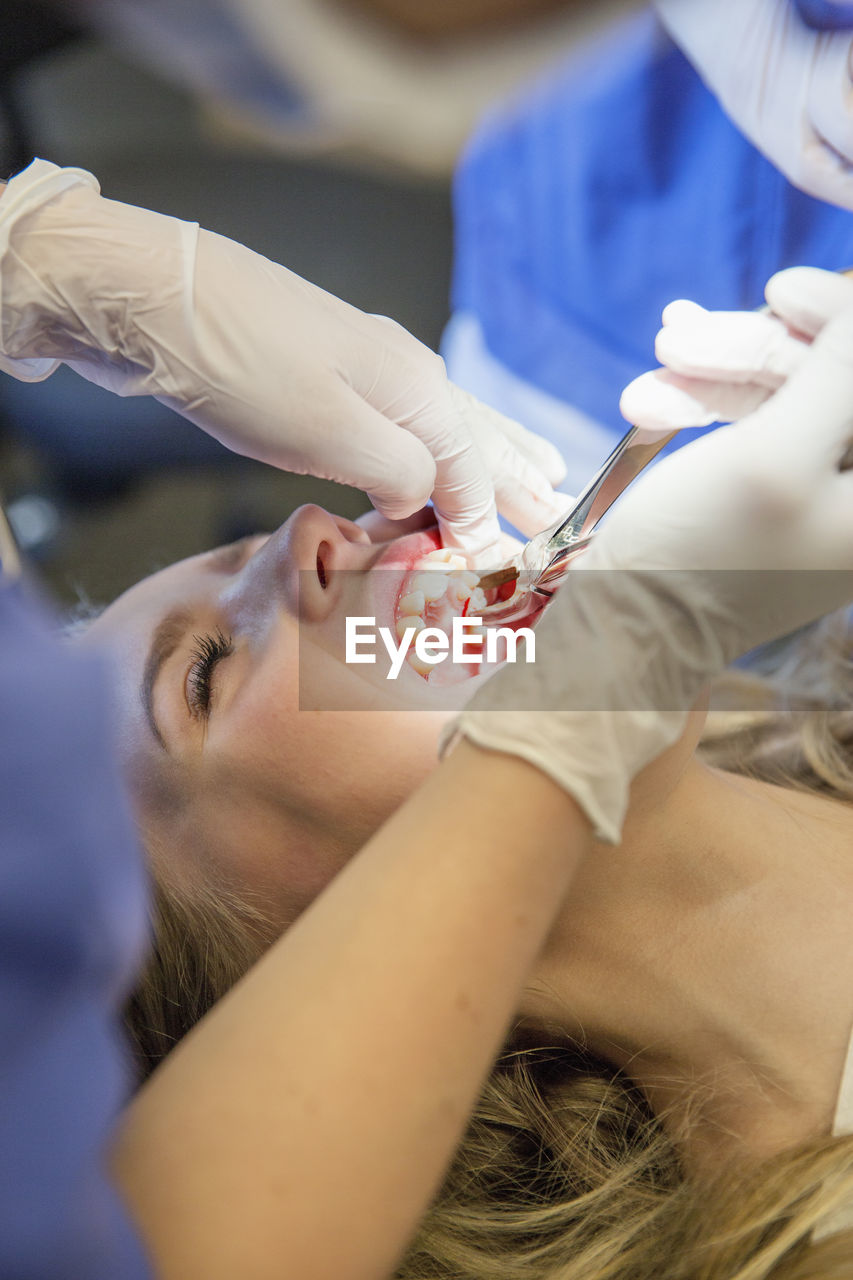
(395, 563)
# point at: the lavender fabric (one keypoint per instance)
(72, 924)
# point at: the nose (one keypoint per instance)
(298, 565)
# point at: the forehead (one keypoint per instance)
(130, 619)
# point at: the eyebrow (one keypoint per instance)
(172, 629)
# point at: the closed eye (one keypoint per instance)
(208, 651)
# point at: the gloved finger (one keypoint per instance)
(393, 327)
(738, 346)
(523, 491)
(529, 506)
(807, 297)
(464, 503)
(393, 467)
(463, 493)
(523, 494)
(682, 310)
(411, 388)
(806, 428)
(380, 529)
(539, 452)
(663, 401)
(487, 423)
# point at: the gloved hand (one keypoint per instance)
(786, 86)
(740, 536)
(269, 364)
(720, 365)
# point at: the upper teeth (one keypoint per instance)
(443, 558)
(432, 585)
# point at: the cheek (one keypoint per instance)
(344, 773)
(257, 850)
(376, 761)
(336, 771)
(284, 814)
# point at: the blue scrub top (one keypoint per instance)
(72, 927)
(612, 186)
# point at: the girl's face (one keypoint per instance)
(231, 678)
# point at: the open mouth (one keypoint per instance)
(418, 586)
(438, 590)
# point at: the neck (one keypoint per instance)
(710, 958)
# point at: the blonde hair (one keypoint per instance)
(202, 942)
(564, 1172)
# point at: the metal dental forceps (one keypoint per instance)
(540, 566)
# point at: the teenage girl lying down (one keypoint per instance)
(630, 1055)
(572, 1003)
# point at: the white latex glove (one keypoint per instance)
(787, 87)
(720, 365)
(676, 586)
(269, 364)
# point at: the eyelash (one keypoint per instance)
(208, 650)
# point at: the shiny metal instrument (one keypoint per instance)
(539, 567)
